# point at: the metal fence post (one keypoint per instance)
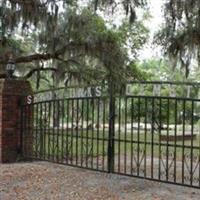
(111, 128)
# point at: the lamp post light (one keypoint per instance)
(10, 68)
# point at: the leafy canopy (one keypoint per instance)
(66, 39)
(180, 34)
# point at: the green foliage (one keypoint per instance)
(97, 52)
(161, 70)
(180, 33)
(74, 42)
(133, 36)
(12, 44)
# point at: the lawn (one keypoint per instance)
(60, 143)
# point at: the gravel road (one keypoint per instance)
(47, 181)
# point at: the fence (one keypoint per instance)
(153, 134)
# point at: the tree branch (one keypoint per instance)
(69, 61)
(42, 56)
(29, 74)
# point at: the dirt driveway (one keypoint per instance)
(47, 181)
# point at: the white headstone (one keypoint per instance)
(156, 89)
(141, 92)
(188, 91)
(172, 90)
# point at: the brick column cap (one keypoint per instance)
(15, 87)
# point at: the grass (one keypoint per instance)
(82, 143)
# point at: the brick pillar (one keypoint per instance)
(12, 93)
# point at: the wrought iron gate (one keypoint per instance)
(68, 131)
(152, 136)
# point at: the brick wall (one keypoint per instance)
(12, 93)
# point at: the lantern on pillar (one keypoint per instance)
(10, 68)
